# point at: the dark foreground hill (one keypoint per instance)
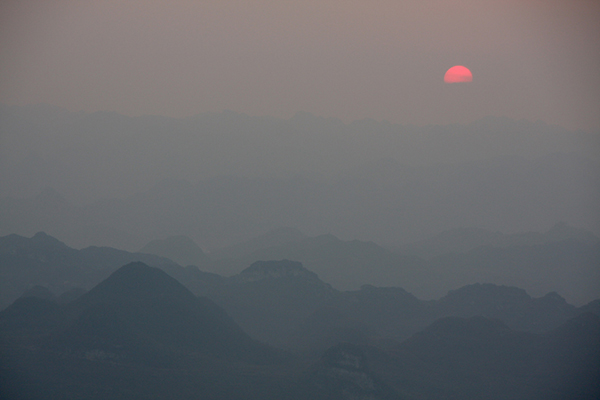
(287, 305)
(156, 308)
(141, 335)
(138, 334)
(136, 306)
(479, 358)
(45, 261)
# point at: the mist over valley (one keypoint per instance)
(315, 200)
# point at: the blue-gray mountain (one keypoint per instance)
(180, 249)
(563, 260)
(141, 334)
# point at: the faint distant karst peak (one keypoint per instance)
(262, 270)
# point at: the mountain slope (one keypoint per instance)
(481, 358)
(137, 335)
(180, 249)
(344, 264)
(158, 308)
(44, 260)
(270, 299)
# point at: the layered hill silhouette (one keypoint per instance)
(269, 299)
(45, 261)
(145, 305)
(287, 305)
(463, 240)
(413, 263)
(181, 249)
(142, 324)
(538, 265)
(481, 358)
(138, 321)
(361, 262)
(137, 309)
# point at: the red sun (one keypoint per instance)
(458, 73)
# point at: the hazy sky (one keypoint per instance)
(337, 58)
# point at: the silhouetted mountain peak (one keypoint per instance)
(135, 281)
(593, 307)
(138, 302)
(180, 249)
(554, 298)
(40, 241)
(488, 300)
(486, 292)
(328, 238)
(276, 237)
(262, 270)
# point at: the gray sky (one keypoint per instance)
(537, 60)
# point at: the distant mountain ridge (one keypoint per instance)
(286, 304)
(44, 260)
(264, 270)
(273, 238)
(180, 249)
(463, 240)
(269, 299)
(347, 265)
(390, 204)
(361, 262)
(539, 267)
